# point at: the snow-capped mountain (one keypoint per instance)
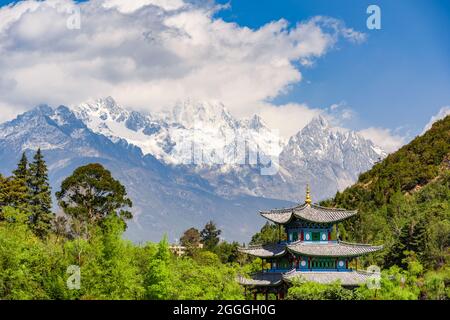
(167, 199)
(201, 133)
(205, 139)
(328, 158)
(190, 164)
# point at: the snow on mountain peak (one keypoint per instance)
(192, 113)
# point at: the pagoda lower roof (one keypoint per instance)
(308, 212)
(272, 279)
(265, 251)
(262, 279)
(331, 249)
(313, 249)
(346, 278)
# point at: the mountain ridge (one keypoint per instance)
(175, 197)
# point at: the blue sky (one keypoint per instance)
(397, 79)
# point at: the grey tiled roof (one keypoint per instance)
(312, 213)
(265, 251)
(332, 249)
(347, 278)
(262, 279)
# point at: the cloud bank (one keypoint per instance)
(149, 54)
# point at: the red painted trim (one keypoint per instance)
(301, 236)
(329, 236)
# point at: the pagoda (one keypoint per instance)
(310, 252)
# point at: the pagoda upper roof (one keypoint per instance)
(308, 212)
(331, 249)
(313, 249)
(347, 278)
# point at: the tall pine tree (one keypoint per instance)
(40, 196)
(21, 179)
(22, 171)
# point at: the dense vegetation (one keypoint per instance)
(404, 204)
(37, 248)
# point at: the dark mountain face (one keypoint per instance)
(167, 200)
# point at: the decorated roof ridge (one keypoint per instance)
(332, 208)
(360, 244)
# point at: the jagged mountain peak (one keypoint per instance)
(255, 122)
(192, 113)
(318, 121)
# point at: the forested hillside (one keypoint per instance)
(404, 202)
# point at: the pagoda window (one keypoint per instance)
(316, 236)
(294, 236)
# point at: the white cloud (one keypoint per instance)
(148, 54)
(288, 119)
(127, 6)
(383, 138)
(443, 112)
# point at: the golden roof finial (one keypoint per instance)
(308, 195)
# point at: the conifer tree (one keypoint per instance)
(22, 171)
(40, 196)
(20, 181)
(210, 235)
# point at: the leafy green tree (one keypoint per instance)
(90, 195)
(40, 197)
(227, 252)
(436, 285)
(304, 290)
(395, 284)
(14, 193)
(210, 235)
(204, 278)
(191, 240)
(270, 233)
(159, 276)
